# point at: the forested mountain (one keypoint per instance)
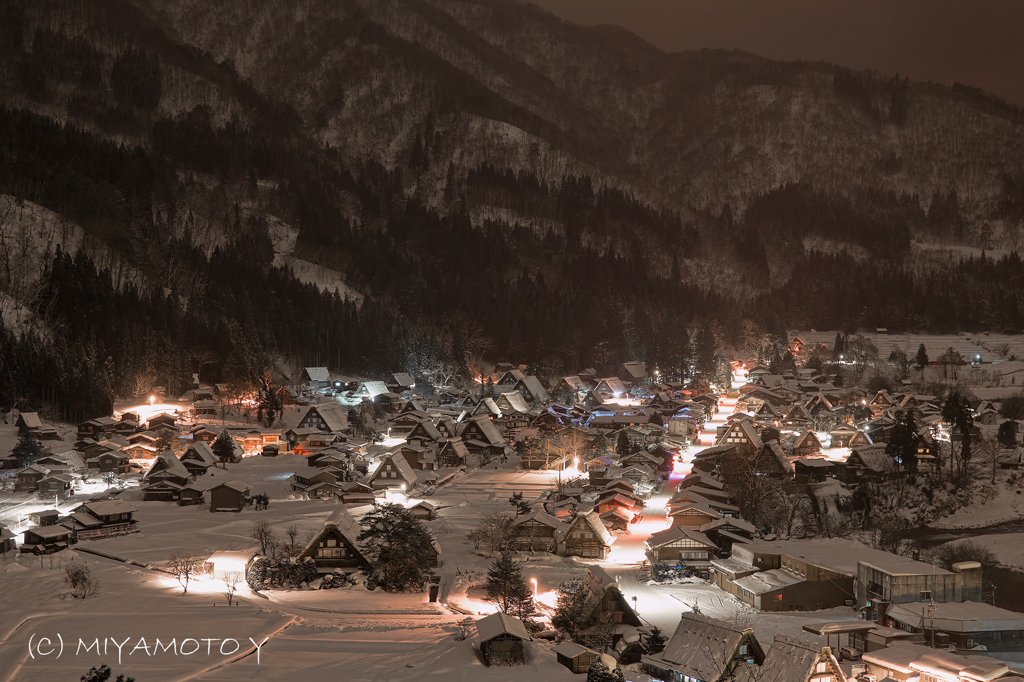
(483, 180)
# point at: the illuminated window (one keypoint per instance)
(821, 668)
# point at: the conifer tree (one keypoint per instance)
(224, 447)
(28, 449)
(507, 587)
(922, 357)
(398, 548)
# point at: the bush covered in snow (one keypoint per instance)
(336, 580)
(264, 574)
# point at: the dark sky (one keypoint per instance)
(977, 42)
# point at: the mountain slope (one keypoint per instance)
(489, 181)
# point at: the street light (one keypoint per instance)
(634, 603)
(534, 581)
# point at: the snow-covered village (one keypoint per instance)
(844, 506)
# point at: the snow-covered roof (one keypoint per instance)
(226, 556)
(768, 581)
(332, 414)
(572, 649)
(30, 420)
(874, 457)
(317, 374)
(841, 556)
(490, 431)
(540, 516)
(49, 531)
(908, 658)
(597, 526)
(576, 384)
(234, 485)
(371, 388)
(788, 659)
(702, 647)
(404, 469)
(85, 519)
(613, 384)
(535, 388)
(516, 401)
(674, 533)
(968, 616)
(498, 624)
(636, 370)
(167, 462)
(33, 469)
(736, 523)
(200, 451)
(402, 379)
(107, 507)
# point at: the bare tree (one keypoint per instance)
(185, 567)
(262, 533)
(292, 532)
(494, 531)
(990, 452)
(83, 584)
(231, 580)
(786, 507)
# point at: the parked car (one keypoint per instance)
(848, 653)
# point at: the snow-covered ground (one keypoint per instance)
(1005, 505)
(284, 237)
(1007, 547)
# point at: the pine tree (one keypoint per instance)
(622, 445)
(573, 611)
(654, 642)
(902, 445)
(398, 548)
(922, 357)
(507, 587)
(1007, 434)
(600, 672)
(28, 449)
(224, 447)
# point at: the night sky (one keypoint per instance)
(977, 42)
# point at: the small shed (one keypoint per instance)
(229, 566)
(501, 639)
(45, 517)
(424, 511)
(575, 657)
(229, 496)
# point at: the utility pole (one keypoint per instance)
(931, 613)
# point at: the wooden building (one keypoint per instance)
(705, 649)
(47, 539)
(588, 538)
(537, 531)
(678, 546)
(335, 546)
(394, 472)
(229, 496)
(502, 639)
(575, 657)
